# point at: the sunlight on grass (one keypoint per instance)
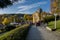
(51, 24)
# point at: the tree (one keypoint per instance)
(5, 3)
(40, 13)
(13, 18)
(5, 21)
(44, 13)
(55, 4)
(10, 27)
(25, 16)
(28, 18)
(40, 10)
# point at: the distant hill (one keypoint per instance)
(12, 14)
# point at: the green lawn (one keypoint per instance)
(51, 24)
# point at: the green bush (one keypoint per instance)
(16, 34)
(50, 18)
(52, 24)
(10, 27)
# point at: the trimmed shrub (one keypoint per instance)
(16, 34)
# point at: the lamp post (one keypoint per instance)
(55, 20)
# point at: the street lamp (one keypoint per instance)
(55, 20)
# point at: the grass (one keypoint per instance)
(52, 23)
(15, 34)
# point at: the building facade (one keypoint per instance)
(37, 16)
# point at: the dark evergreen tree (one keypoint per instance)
(5, 3)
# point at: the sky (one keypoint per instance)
(27, 7)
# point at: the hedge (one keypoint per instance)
(16, 34)
(50, 18)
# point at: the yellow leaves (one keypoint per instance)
(5, 21)
(57, 11)
(27, 17)
(54, 4)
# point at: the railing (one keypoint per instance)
(16, 34)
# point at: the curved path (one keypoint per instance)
(40, 33)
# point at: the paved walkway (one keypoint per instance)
(40, 33)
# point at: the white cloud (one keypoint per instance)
(1, 12)
(27, 7)
(24, 12)
(19, 1)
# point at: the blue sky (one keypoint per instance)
(27, 6)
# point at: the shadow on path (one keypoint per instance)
(40, 33)
(34, 34)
